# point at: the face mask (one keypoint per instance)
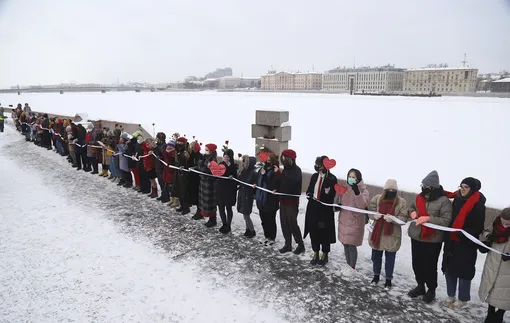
(391, 194)
(207, 152)
(426, 190)
(317, 168)
(169, 149)
(351, 181)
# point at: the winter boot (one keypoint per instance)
(430, 296)
(222, 229)
(491, 314)
(324, 259)
(111, 177)
(315, 259)
(198, 215)
(375, 281)
(299, 250)
(173, 202)
(251, 234)
(498, 317)
(154, 193)
(136, 188)
(417, 291)
(286, 249)
(185, 210)
(226, 229)
(212, 222)
(388, 284)
(246, 232)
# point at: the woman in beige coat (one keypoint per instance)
(495, 283)
(386, 235)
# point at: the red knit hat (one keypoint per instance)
(182, 140)
(211, 147)
(289, 153)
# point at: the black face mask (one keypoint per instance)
(317, 168)
(391, 195)
(426, 190)
(268, 165)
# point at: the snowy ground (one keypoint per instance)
(458, 136)
(75, 247)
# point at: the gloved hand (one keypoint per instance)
(505, 258)
(377, 216)
(355, 188)
(388, 219)
(422, 219)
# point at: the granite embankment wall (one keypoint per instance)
(373, 189)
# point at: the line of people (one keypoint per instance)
(132, 161)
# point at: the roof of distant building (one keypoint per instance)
(441, 68)
(505, 80)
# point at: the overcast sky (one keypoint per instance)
(54, 41)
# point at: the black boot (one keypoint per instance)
(212, 222)
(251, 234)
(430, 296)
(198, 215)
(286, 249)
(315, 259)
(491, 313)
(299, 250)
(498, 317)
(388, 284)
(324, 259)
(246, 232)
(375, 280)
(185, 210)
(417, 291)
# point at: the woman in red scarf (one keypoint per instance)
(495, 283)
(431, 206)
(386, 235)
(460, 253)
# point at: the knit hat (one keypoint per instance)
(124, 135)
(171, 143)
(474, 184)
(211, 147)
(505, 214)
(432, 180)
(391, 184)
(289, 153)
(182, 140)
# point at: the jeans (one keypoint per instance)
(389, 264)
(464, 288)
(114, 170)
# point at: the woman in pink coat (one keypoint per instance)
(351, 225)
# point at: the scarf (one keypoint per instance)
(385, 207)
(463, 213)
(421, 207)
(500, 233)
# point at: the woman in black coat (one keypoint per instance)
(267, 203)
(246, 194)
(320, 219)
(460, 253)
(226, 191)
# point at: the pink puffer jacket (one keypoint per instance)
(351, 225)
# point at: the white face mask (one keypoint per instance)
(207, 152)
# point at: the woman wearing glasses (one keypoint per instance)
(431, 206)
(459, 256)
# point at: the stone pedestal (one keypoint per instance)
(270, 131)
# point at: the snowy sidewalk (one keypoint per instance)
(62, 260)
(89, 255)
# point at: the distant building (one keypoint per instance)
(284, 81)
(501, 86)
(191, 79)
(235, 82)
(366, 79)
(220, 72)
(440, 80)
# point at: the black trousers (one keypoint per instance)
(268, 220)
(1, 126)
(126, 177)
(289, 224)
(226, 217)
(425, 256)
(77, 153)
(315, 237)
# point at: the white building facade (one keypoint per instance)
(364, 79)
(440, 80)
(284, 81)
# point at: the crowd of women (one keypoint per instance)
(185, 173)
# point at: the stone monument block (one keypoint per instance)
(271, 118)
(270, 131)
